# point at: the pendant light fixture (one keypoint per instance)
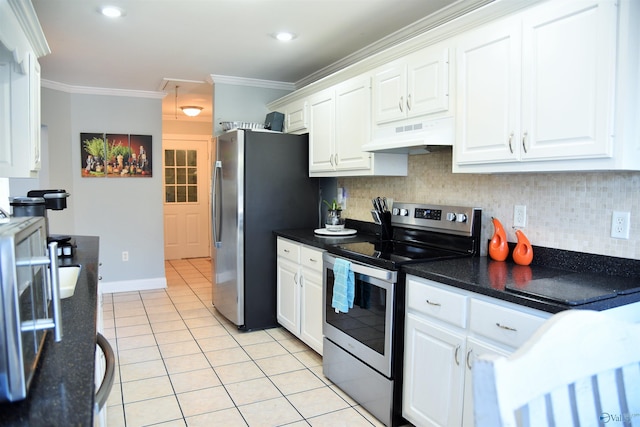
(189, 110)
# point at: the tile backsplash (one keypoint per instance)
(570, 211)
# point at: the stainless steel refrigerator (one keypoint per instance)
(260, 184)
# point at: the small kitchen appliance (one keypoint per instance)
(37, 203)
(29, 302)
(363, 347)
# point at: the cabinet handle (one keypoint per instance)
(313, 260)
(409, 102)
(401, 104)
(506, 327)
(511, 139)
(524, 145)
(469, 359)
(331, 159)
(301, 280)
(336, 159)
(436, 304)
(455, 356)
(286, 251)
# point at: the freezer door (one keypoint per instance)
(228, 215)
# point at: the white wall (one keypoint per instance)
(241, 103)
(125, 213)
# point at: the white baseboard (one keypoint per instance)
(132, 285)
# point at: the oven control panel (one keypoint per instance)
(449, 219)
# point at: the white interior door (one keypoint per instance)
(186, 176)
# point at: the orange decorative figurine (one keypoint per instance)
(523, 252)
(498, 247)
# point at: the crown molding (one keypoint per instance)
(407, 33)
(243, 81)
(87, 90)
(28, 20)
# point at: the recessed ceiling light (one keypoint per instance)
(284, 36)
(112, 11)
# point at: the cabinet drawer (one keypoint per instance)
(289, 250)
(311, 258)
(442, 304)
(506, 325)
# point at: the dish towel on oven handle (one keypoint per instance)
(343, 286)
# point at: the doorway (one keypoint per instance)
(186, 172)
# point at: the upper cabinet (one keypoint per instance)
(339, 125)
(21, 43)
(296, 117)
(537, 91)
(413, 86)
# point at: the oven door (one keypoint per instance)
(365, 330)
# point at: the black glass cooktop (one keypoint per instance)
(391, 253)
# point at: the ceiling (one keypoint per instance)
(159, 44)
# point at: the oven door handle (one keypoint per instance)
(358, 268)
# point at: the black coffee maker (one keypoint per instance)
(37, 203)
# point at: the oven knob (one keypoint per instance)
(404, 212)
(461, 217)
(451, 216)
(395, 211)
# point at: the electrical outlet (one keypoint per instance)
(520, 216)
(125, 256)
(620, 224)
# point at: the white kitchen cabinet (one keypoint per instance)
(299, 291)
(537, 86)
(413, 86)
(21, 42)
(446, 328)
(296, 117)
(339, 125)
(433, 382)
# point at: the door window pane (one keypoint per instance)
(181, 176)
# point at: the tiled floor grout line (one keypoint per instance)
(186, 275)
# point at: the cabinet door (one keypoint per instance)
(288, 295)
(433, 373)
(34, 113)
(389, 92)
(475, 348)
(321, 131)
(296, 116)
(353, 123)
(428, 82)
(569, 56)
(311, 309)
(488, 94)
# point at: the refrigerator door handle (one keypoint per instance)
(216, 202)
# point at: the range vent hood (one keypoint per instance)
(412, 137)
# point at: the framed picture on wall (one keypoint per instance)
(116, 155)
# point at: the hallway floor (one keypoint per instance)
(180, 363)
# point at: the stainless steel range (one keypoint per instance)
(363, 346)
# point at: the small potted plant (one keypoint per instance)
(334, 220)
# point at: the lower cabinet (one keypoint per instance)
(446, 329)
(299, 291)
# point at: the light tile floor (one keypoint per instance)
(180, 363)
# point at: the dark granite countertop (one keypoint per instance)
(583, 281)
(62, 392)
